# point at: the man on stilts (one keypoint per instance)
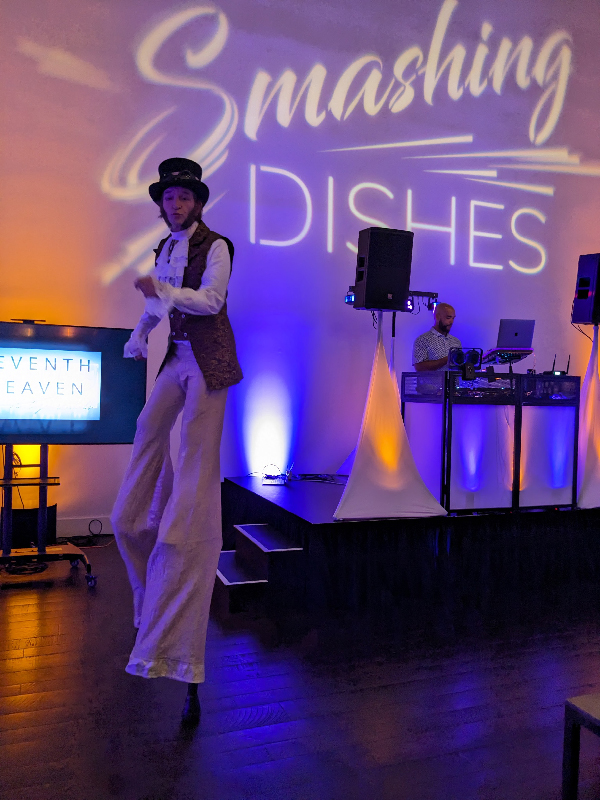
(167, 521)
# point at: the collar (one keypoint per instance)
(185, 234)
(437, 333)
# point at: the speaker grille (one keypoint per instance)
(383, 268)
(586, 306)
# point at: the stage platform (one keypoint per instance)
(496, 563)
(311, 501)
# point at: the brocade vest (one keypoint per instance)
(210, 335)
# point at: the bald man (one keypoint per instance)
(430, 350)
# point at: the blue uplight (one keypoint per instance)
(471, 448)
(561, 445)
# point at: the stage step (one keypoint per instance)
(261, 548)
(233, 573)
(265, 565)
(237, 586)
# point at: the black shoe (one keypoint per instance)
(190, 715)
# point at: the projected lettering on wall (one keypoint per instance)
(49, 384)
(508, 70)
(549, 68)
(121, 179)
(410, 221)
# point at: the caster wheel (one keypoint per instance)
(92, 580)
(75, 562)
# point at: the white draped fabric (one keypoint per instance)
(589, 433)
(384, 482)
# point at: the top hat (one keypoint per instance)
(179, 172)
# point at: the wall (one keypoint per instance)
(312, 121)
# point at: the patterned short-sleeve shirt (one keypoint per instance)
(433, 345)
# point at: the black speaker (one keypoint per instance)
(586, 303)
(383, 269)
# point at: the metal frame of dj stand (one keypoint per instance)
(43, 552)
(518, 400)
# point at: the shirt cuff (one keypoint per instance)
(163, 303)
(136, 346)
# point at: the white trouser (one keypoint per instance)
(168, 524)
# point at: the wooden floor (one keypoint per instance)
(306, 709)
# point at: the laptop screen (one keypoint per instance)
(515, 333)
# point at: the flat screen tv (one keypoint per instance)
(62, 384)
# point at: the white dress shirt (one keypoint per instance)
(167, 278)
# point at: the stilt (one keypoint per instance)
(190, 715)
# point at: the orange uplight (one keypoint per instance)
(388, 451)
(593, 427)
(590, 426)
(589, 432)
(525, 452)
(384, 481)
(26, 454)
(382, 424)
(28, 496)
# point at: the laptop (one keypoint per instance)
(515, 334)
(515, 337)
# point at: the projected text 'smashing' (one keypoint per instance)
(49, 384)
(447, 61)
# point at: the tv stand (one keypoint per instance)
(43, 552)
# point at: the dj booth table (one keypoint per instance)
(500, 442)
